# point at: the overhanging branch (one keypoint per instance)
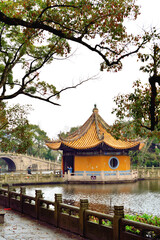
(40, 25)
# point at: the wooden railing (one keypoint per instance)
(79, 220)
(145, 231)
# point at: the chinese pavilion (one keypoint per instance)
(92, 148)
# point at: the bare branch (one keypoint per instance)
(75, 86)
(40, 98)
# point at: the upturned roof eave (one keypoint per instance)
(100, 143)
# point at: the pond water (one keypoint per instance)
(139, 197)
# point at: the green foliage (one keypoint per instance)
(18, 135)
(38, 148)
(105, 222)
(149, 154)
(133, 119)
(23, 47)
(15, 132)
(3, 165)
(151, 60)
(145, 218)
(33, 32)
(3, 118)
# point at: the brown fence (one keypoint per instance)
(79, 220)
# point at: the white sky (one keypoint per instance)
(77, 104)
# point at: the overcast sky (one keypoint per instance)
(77, 104)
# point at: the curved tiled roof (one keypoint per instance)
(91, 134)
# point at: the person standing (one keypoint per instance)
(70, 169)
(29, 170)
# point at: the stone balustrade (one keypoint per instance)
(102, 176)
(148, 173)
(24, 178)
(81, 176)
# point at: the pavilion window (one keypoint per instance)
(113, 162)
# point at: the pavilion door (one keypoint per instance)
(68, 161)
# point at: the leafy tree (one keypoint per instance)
(149, 154)
(15, 134)
(133, 112)
(3, 119)
(38, 147)
(32, 32)
(18, 135)
(152, 67)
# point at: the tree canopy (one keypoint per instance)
(133, 112)
(15, 134)
(18, 135)
(32, 32)
(152, 67)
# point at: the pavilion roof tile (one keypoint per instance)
(91, 134)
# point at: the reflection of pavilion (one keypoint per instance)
(94, 154)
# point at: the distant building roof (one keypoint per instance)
(94, 132)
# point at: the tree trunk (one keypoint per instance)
(152, 81)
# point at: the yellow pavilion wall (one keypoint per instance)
(100, 163)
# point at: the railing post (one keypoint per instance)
(117, 174)
(22, 191)
(10, 188)
(102, 175)
(84, 175)
(83, 206)
(65, 176)
(118, 214)
(5, 178)
(39, 195)
(36, 177)
(51, 176)
(69, 175)
(21, 178)
(58, 200)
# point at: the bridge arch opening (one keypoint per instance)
(10, 163)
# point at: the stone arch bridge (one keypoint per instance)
(20, 162)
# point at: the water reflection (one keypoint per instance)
(139, 197)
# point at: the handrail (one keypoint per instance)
(28, 198)
(74, 208)
(3, 190)
(99, 215)
(48, 203)
(14, 194)
(139, 225)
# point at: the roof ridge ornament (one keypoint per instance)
(95, 109)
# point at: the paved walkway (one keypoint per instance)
(18, 226)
